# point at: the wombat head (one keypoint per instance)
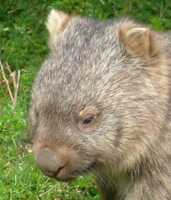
(89, 101)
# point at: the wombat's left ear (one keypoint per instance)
(56, 23)
(138, 40)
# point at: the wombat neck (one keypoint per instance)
(152, 183)
(114, 185)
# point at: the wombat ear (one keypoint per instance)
(138, 40)
(56, 23)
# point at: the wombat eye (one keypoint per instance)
(88, 120)
(87, 123)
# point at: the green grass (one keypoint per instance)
(23, 45)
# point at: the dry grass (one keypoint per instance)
(11, 79)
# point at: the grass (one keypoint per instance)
(23, 44)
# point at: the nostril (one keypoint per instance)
(48, 161)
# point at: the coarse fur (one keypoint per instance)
(119, 72)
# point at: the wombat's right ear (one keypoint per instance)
(56, 23)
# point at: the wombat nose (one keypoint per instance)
(48, 162)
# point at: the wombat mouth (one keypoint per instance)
(76, 173)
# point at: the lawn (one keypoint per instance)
(23, 45)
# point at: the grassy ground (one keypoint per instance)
(23, 44)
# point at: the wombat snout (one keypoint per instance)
(49, 162)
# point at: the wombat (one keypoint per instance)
(101, 103)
